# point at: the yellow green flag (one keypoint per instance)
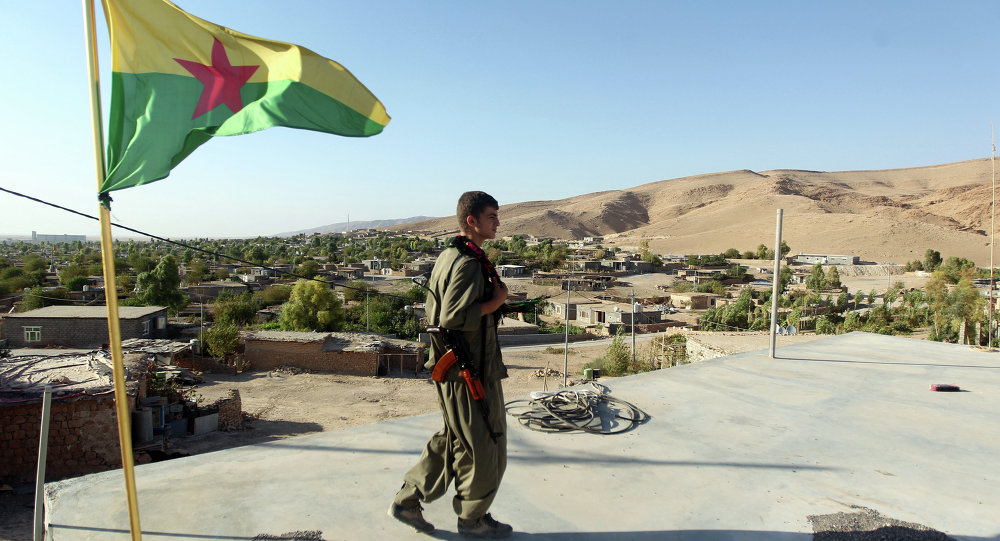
(178, 80)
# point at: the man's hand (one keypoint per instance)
(499, 297)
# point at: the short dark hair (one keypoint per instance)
(472, 204)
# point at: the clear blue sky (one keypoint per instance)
(525, 99)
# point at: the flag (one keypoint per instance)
(178, 80)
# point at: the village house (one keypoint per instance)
(824, 259)
(349, 272)
(360, 354)
(696, 301)
(376, 264)
(81, 326)
(209, 291)
(83, 428)
(511, 271)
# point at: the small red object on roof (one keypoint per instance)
(945, 388)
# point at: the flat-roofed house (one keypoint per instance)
(81, 326)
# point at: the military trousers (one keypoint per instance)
(463, 452)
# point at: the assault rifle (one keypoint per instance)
(458, 352)
(520, 306)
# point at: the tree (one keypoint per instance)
(618, 358)
(955, 268)
(761, 251)
(681, 286)
(312, 306)
(356, 290)
(825, 326)
(711, 286)
(37, 297)
(308, 268)
(196, 272)
(159, 287)
(932, 259)
(221, 340)
(276, 294)
(76, 283)
(644, 252)
(34, 263)
(731, 253)
(784, 277)
(785, 248)
(833, 278)
(70, 272)
(816, 280)
(237, 310)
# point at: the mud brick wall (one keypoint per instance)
(204, 364)
(267, 355)
(230, 411)
(83, 438)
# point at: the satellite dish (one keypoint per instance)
(791, 330)
(781, 330)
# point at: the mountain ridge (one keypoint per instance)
(879, 214)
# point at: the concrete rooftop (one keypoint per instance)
(739, 447)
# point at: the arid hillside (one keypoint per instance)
(887, 215)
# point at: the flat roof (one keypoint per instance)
(742, 447)
(87, 312)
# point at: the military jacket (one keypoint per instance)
(458, 282)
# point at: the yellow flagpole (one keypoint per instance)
(110, 286)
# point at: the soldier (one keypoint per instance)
(466, 296)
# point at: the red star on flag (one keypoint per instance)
(222, 81)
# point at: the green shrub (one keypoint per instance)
(221, 340)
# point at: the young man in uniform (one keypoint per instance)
(465, 296)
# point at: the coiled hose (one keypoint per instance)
(569, 410)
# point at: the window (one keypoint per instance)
(146, 326)
(32, 334)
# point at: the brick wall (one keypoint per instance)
(230, 411)
(204, 364)
(83, 438)
(268, 355)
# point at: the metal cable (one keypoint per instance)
(197, 249)
(585, 410)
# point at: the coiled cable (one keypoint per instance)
(591, 410)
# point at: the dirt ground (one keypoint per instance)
(281, 404)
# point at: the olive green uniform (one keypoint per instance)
(463, 450)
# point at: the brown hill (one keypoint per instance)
(886, 215)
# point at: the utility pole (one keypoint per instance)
(774, 286)
(633, 327)
(569, 287)
(993, 213)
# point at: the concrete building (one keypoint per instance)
(824, 259)
(511, 271)
(81, 326)
(35, 238)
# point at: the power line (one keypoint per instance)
(198, 249)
